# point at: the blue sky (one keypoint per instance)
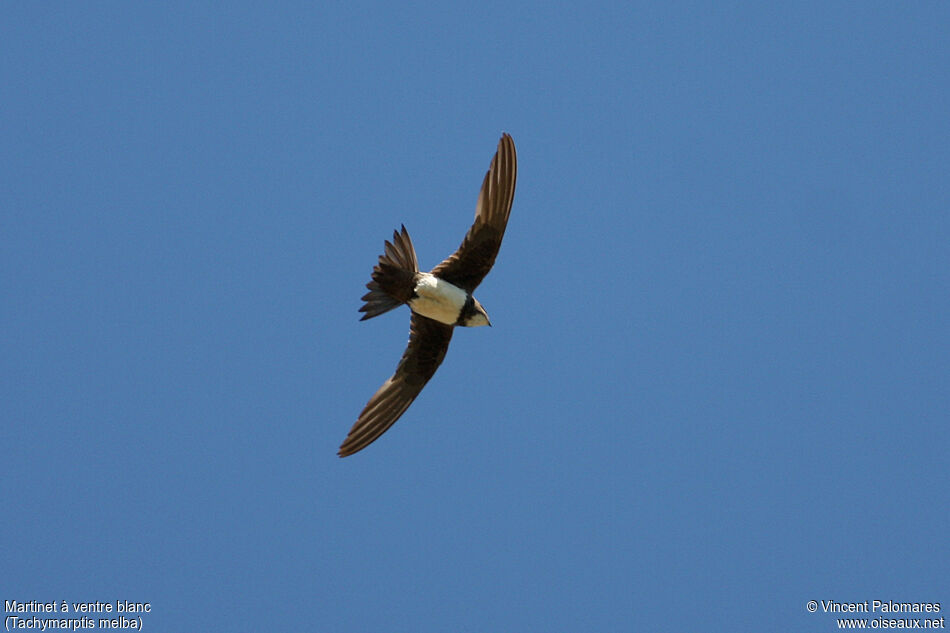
(717, 382)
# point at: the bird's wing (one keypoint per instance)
(474, 258)
(428, 342)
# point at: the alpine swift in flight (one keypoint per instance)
(439, 300)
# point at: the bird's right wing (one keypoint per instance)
(428, 342)
(467, 266)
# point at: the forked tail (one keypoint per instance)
(393, 277)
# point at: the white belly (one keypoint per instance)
(438, 299)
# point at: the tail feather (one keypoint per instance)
(393, 277)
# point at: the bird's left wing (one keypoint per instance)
(474, 258)
(428, 342)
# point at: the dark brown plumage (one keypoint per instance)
(393, 277)
(393, 284)
(428, 343)
(467, 266)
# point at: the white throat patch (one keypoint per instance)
(438, 299)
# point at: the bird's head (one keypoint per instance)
(478, 316)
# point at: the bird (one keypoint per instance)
(439, 300)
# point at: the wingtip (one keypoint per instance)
(346, 450)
